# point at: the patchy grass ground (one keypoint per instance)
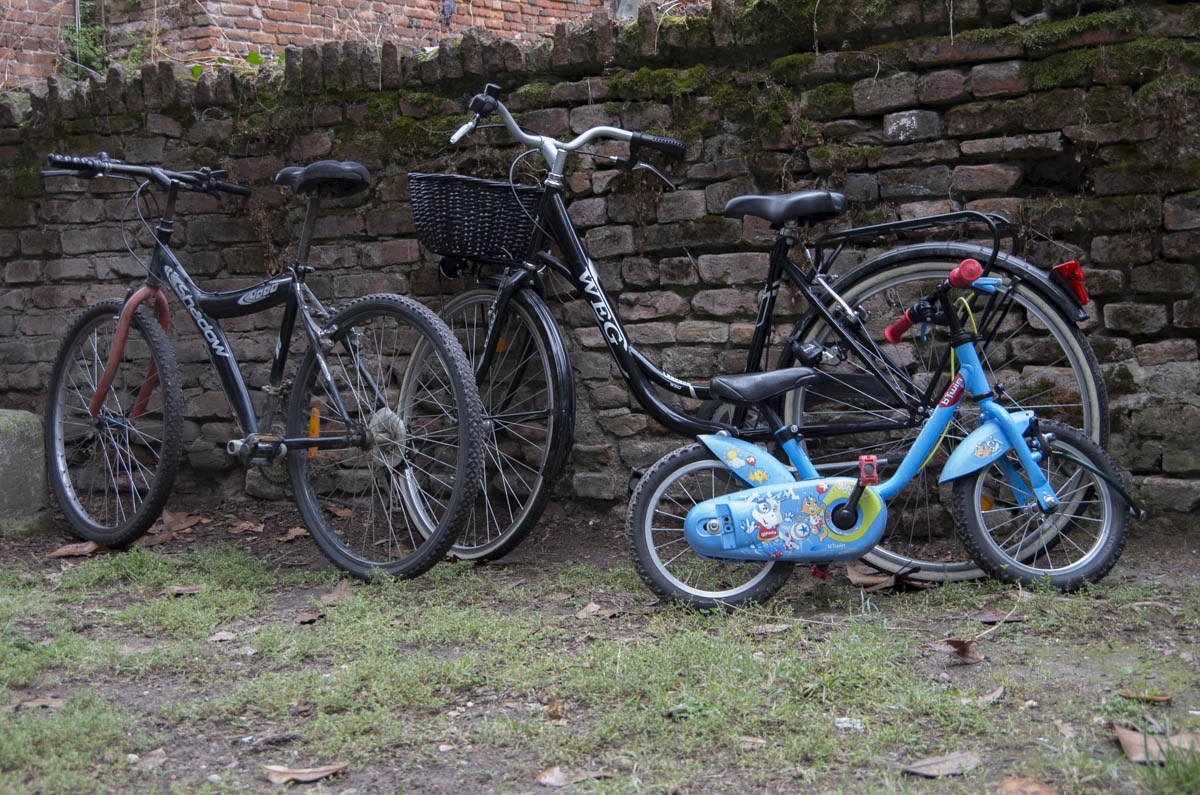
(485, 678)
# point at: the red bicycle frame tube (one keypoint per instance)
(118, 348)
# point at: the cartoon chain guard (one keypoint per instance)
(785, 521)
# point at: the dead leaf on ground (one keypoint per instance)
(996, 617)
(560, 596)
(278, 774)
(82, 549)
(867, 577)
(986, 698)
(33, 703)
(155, 539)
(292, 534)
(554, 777)
(593, 609)
(341, 512)
(959, 651)
(340, 593)
(767, 629)
(589, 774)
(245, 526)
(1140, 747)
(185, 590)
(556, 710)
(172, 522)
(152, 760)
(1066, 729)
(221, 637)
(309, 617)
(1024, 786)
(243, 651)
(1022, 596)
(951, 765)
(749, 743)
(1147, 698)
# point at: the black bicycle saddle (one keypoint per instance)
(329, 179)
(806, 205)
(747, 389)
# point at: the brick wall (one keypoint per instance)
(202, 30)
(1083, 128)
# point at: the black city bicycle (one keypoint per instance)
(383, 427)
(872, 395)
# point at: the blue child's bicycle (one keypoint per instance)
(723, 522)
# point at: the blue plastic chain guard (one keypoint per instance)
(786, 521)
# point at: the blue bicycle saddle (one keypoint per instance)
(329, 179)
(806, 205)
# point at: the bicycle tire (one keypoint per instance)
(664, 495)
(1040, 347)
(1013, 540)
(111, 476)
(525, 449)
(396, 502)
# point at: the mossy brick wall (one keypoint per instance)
(1082, 128)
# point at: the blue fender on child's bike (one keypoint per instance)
(753, 465)
(982, 446)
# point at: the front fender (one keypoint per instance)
(752, 464)
(982, 446)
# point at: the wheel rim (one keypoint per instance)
(1061, 543)
(670, 553)
(920, 540)
(107, 467)
(383, 500)
(519, 406)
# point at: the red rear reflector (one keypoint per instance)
(1070, 276)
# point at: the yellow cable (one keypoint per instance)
(966, 305)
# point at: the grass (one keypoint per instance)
(480, 677)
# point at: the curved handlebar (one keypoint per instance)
(488, 103)
(92, 167)
(964, 275)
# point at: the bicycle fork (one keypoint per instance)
(120, 337)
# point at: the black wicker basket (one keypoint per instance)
(473, 218)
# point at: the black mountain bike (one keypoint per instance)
(873, 394)
(383, 428)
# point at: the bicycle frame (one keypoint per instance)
(205, 308)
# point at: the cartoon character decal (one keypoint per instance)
(767, 515)
(733, 460)
(988, 447)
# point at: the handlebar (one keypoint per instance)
(964, 275)
(488, 103)
(91, 167)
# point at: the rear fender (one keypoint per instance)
(752, 464)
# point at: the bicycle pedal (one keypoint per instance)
(820, 571)
(257, 449)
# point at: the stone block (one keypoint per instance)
(737, 268)
(683, 205)
(996, 178)
(1033, 145)
(588, 212)
(1135, 318)
(718, 194)
(943, 87)
(1122, 250)
(1165, 277)
(588, 116)
(1176, 350)
(913, 154)
(652, 305)
(1181, 245)
(861, 188)
(1004, 79)
(1185, 314)
(902, 183)
(718, 169)
(609, 241)
(594, 485)
(1182, 212)
(725, 302)
(1171, 494)
(702, 332)
(983, 118)
(22, 474)
(910, 126)
(873, 96)
(678, 271)
(707, 231)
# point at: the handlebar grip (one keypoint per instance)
(668, 146)
(895, 332)
(75, 163)
(966, 273)
(229, 187)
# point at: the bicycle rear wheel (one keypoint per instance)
(529, 413)
(112, 474)
(1038, 357)
(394, 497)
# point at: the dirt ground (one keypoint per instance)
(1071, 657)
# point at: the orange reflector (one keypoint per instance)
(501, 345)
(314, 429)
(985, 502)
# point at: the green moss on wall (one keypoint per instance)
(660, 84)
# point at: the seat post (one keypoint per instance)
(306, 231)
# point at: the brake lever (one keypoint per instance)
(656, 172)
(462, 131)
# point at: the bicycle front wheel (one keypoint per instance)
(1004, 528)
(392, 496)
(1037, 356)
(111, 474)
(529, 414)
